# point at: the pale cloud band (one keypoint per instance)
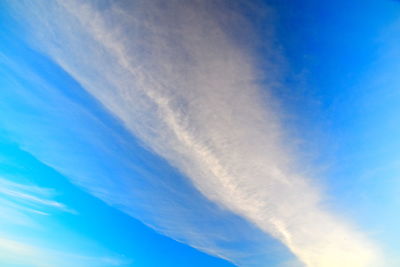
(21, 252)
(178, 78)
(19, 202)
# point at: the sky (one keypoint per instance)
(199, 133)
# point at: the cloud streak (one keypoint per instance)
(17, 252)
(20, 202)
(181, 81)
(29, 194)
(96, 153)
(26, 212)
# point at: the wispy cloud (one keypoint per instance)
(175, 74)
(29, 195)
(17, 252)
(108, 163)
(21, 240)
(20, 202)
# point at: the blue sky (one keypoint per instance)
(199, 133)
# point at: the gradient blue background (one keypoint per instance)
(341, 89)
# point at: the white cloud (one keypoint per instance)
(175, 74)
(88, 148)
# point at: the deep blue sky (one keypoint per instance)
(86, 181)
